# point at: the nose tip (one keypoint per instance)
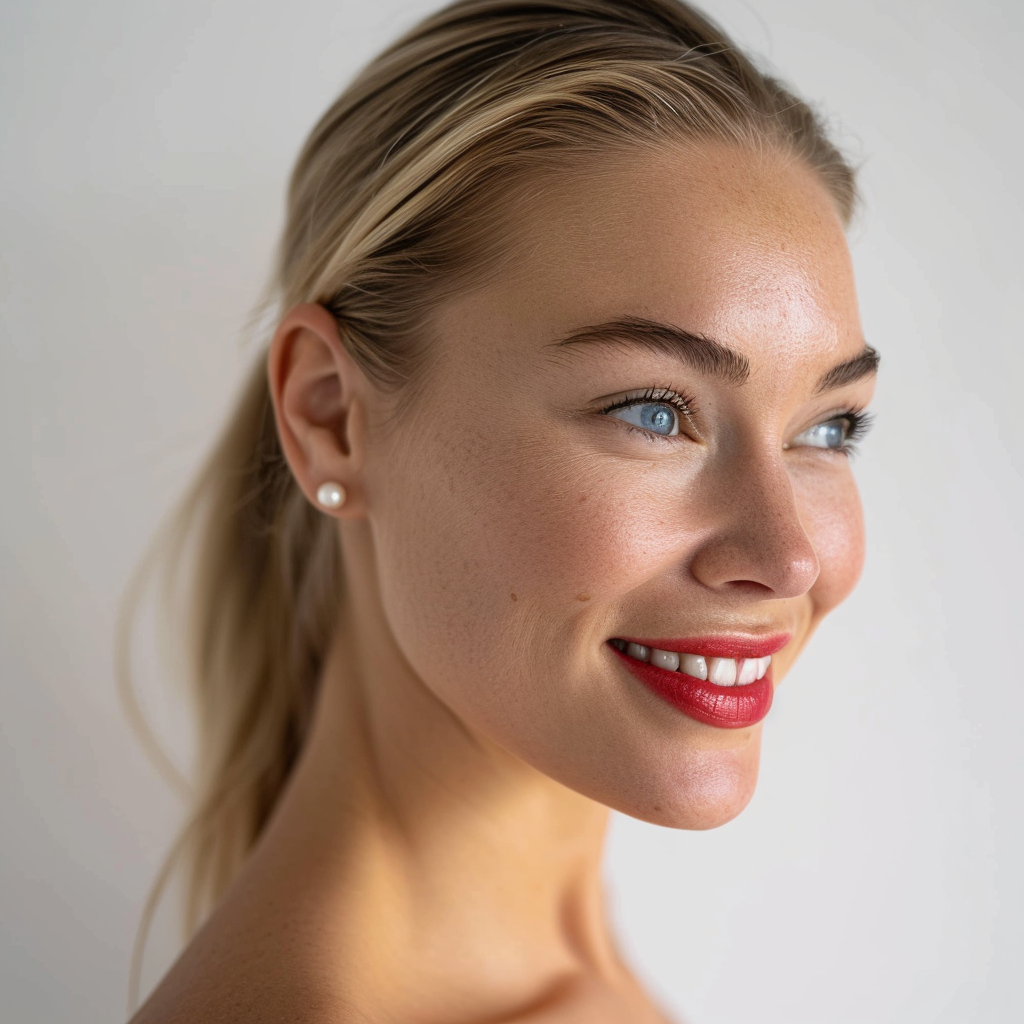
(797, 576)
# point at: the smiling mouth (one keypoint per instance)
(720, 671)
(720, 681)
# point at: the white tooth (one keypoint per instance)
(665, 659)
(693, 665)
(722, 671)
(747, 671)
(762, 665)
(638, 651)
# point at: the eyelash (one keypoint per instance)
(860, 422)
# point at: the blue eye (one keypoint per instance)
(657, 412)
(836, 434)
(831, 434)
(657, 417)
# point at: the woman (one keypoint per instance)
(542, 486)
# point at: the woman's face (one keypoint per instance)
(637, 433)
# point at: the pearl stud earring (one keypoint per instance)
(330, 494)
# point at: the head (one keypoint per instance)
(566, 305)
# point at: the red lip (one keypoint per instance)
(726, 707)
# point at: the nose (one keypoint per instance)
(755, 537)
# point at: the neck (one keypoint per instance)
(427, 851)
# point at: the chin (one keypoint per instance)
(708, 789)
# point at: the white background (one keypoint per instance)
(877, 874)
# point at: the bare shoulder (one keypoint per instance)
(225, 979)
(275, 995)
(231, 1004)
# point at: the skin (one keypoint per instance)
(436, 855)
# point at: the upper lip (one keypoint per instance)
(733, 645)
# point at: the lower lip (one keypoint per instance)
(727, 707)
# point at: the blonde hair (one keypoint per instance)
(394, 204)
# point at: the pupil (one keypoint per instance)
(661, 418)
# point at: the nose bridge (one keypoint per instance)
(756, 533)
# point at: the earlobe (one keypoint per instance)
(314, 387)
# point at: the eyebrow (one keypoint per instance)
(863, 365)
(704, 354)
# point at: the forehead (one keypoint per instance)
(745, 248)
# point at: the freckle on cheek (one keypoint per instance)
(582, 597)
(513, 596)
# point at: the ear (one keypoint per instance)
(319, 395)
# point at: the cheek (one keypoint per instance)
(834, 522)
(530, 517)
(502, 550)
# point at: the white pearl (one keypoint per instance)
(330, 495)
